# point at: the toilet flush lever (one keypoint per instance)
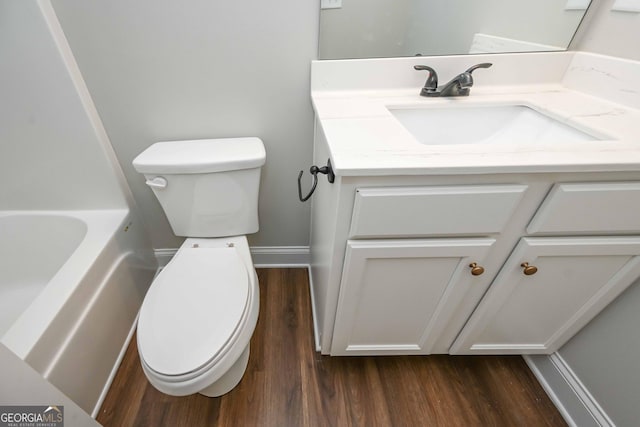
(157, 182)
(315, 170)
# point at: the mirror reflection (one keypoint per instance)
(390, 28)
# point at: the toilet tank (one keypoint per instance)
(207, 187)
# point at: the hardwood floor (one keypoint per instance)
(288, 384)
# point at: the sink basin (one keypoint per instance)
(506, 124)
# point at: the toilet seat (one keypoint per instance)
(193, 310)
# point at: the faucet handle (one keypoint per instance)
(475, 67)
(432, 81)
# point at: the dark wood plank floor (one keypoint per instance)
(288, 384)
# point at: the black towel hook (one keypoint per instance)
(315, 170)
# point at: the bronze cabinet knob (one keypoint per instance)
(528, 269)
(476, 269)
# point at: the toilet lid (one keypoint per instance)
(192, 309)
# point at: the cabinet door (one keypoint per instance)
(397, 295)
(569, 281)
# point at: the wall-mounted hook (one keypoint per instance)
(315, 170)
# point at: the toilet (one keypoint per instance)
(198, 316)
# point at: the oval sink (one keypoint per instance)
(508, 124)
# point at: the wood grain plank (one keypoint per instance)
(288, 383)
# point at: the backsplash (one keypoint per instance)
(398, 73)
(608, 77)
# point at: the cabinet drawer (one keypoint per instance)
(428, 211)
(608, 207)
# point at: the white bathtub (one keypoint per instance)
(71, 284)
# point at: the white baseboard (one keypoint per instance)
(263, 256)
(164, 256)
(280, 256)
(571, 397)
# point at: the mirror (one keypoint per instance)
(391, 28)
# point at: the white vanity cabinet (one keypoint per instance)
(406, 272)
(394, 274)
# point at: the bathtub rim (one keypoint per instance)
(102, 225)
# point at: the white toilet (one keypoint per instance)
(198, 316)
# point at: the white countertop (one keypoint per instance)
(365, 139)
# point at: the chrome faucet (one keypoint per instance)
(458, 86)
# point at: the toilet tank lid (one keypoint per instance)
(201, 156)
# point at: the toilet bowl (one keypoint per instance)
(197, 319)
(198, 316)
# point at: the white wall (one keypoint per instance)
(167, 70)
(610, 32)
(50, 155)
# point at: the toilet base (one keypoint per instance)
(230, 379)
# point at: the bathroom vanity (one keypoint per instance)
(499, 223)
